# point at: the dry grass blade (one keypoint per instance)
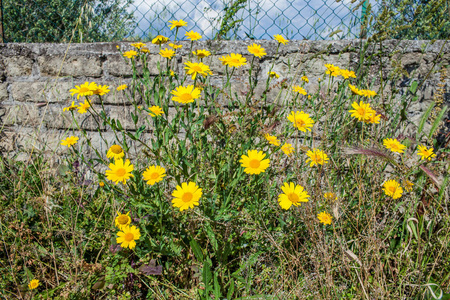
(430, 174)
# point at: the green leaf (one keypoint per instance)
(217, 293)
(424, 119)
(139, 131)
(413, 87)
(197, 250)
(119, 125)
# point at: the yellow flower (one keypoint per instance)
(122, 87)
(301, 120)
(197, 68)
(174, 46)
(425, 153)
(373, 118)
(186, 196)
(177, 24)
(280, 39)
(71, 107)
(354, 90)
(362, 112)
(167, 53)
(347, 74)
(160, 39)
(70, 141)
(392, 189)
(193, 36)
(155, 111)
(172, 73)
(138, 45)
(130, 54)
(299, 89)
(154, 174)
(324, 218)
(86, 89)
(127, 237)
(293, 195)
(254, 163)
(273, 74)
(122, 220)
(408, 185)
(394, 145)
(367, 93)
(332, 70)
(101, 184)
(101, 90)
(287, 149)
(145, 50)
(83, 107)
(317, 157)
(185, 94)
(33, 284)
(201, 53)
(120, 171)
(256, 50)
(272, 139)
(305, 79)
(115, 151)
(233, 60)
(330, 196)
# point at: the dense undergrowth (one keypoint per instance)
(373, 221)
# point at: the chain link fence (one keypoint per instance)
(115, 20)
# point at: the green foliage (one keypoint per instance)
(79, 21)
(412, 20)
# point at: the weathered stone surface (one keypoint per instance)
(116, 65)
(3, 91)
(18, 66)
(31, 100)
(70, 66)
(50, 91)
(25, 115)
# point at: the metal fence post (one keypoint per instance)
(2, 33)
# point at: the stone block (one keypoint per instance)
(117, 65)
(18, 66)
(25, 115)
(54, 117)
(90, 66)
(50, 91)
(3, 92)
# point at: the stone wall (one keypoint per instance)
(35, 78)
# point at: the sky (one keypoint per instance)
(294, 19)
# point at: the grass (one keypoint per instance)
(58, 224)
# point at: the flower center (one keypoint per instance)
(300, 123)
(361, 111)
(197, 69)
(84, 90)
(116, 149)
(121, 172)
(318, 158)
(234, 61)
(392, 189)
(186, 97)
(123, 219)
(187, 197)
(128, 237)
(254, 163)
(293, 198)
(154, 175)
